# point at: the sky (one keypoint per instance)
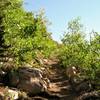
(60, 12)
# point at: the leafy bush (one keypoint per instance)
(25, 33)
(77, 51)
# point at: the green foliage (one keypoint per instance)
(76, 51)
(74, 45)
(26, 33)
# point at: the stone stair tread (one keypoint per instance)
(59, 84)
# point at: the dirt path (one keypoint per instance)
(59, 84)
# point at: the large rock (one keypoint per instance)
(29, 72)
(29, 80)
(84, 86)
(32, 86)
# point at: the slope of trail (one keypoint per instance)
(59, 83)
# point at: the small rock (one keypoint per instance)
(6, 93)
(13, 94)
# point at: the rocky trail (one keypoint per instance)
(60, 85)
(60, 88)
